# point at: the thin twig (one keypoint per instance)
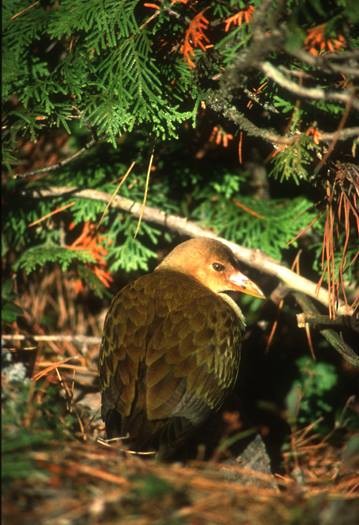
(330, 335)
(332, 145)
(122, 181)
(316, 93)
(324, 321)
(325, 62)
(218, 103)
(23, 11)
(58, 165)
(147, 184)
(263, 104)
(51, 213)
(254, 258)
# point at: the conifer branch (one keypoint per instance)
(217, 101)
(220, 104)
(253, 257)
(315, 93)
(325, 62)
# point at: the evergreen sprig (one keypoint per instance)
(269, 224)
(39, 256)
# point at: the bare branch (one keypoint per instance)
(254, 258)
(325, 62)
(23, 11)
(343, 55)
(58, 165)
(316, 93)
(323, 321)
(330, 335)
(340, 134)
(265, 105)
(218, 103)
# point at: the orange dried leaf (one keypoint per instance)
(314, 133)
(219, 136)
(77, 285)
(316, 42)
(213, 134)
(243, 16)
(277, 150)
(195, 37)
(91, 241)
(103, 276)
(152, 6)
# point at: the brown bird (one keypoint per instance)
(170, 349)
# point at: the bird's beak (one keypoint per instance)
(243, 284)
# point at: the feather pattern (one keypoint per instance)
(189, 350)
(171, 345)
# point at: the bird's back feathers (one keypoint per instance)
(169, 355)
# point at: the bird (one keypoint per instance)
(170, 347)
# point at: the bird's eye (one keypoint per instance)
(218, 267)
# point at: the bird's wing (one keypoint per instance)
(123, 346)
(192, 359)
(169, 348)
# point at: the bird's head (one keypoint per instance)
(213, 264)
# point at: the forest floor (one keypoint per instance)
(59, 470)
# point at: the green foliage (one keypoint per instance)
(86, 210)
(231, 44)
(16, 462)
(294, 38)
(283, 105)
(293, 161)
(38, 256)
(306, 401)
(22, 432)
(328, 107)
(346, 267)
(151, 486)
(132, 255)
(10, 311)
(107, 74)
(351, 9)
(253, 222)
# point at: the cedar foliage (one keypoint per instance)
(234, 148)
